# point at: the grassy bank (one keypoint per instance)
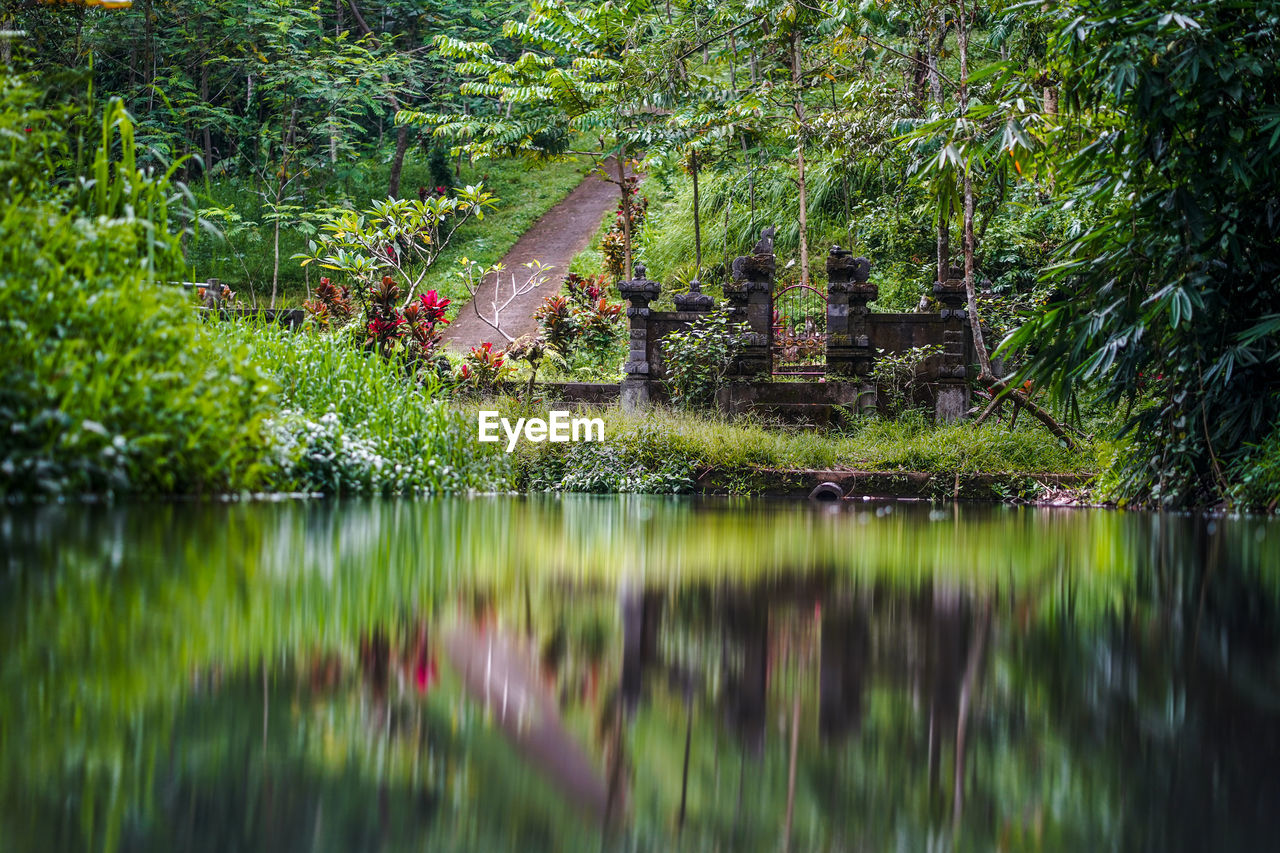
(346, 421)
(670, 452)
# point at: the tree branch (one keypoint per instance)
(915, 59)
(717, 38)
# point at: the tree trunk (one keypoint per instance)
(935, 87)
(798, 106)
(684, 776)
(275, 264)
(149, 70)
(626, 212)
(697, 218)
(975, 322)
(397, 162)
(207, 136)
(791, 763)
(944, 243)
(967, 690)
(402, 133)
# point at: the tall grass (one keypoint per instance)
(353, 422)
(868, 213)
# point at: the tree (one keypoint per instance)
(574, 80)
(1170, 301)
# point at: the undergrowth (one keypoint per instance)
(667, 451)
(242, 254)
(353, 422)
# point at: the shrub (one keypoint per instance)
(558, 323)
(1256, 477)
(485, 368)
(897, 376)
(698, 359)
(113, 384)
(632, 464)
(581, 319)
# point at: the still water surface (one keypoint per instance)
(636, 674)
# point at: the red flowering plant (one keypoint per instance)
(331, 308)
(383, 320)
(583, 315)
(584, 289)
(485, 368)
(599, 323)
(425, 321)
(413, 331)
(558, 323)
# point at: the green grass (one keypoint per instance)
(353, 422)
(242, 257)
(590, 261)
(665, 450)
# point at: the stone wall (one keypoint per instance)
(854, 337)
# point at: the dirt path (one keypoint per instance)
(561, 233)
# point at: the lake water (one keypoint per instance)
(636, 674)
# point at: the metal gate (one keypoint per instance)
(799, 331)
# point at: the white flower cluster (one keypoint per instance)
(329, 457)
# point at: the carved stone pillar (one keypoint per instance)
(849, 352)
(952, 402)
(638, 292)
(750, 297)
(695, 300)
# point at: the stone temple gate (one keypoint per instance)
(804, 363)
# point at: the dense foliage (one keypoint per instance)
(1169, 301)
(112, 382)
(117, 385)
(1101, 174)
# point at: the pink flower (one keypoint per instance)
(432, 307)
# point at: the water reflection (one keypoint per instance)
(635, 674)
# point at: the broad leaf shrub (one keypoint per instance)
(698, 359)
(583, 326)
(637, 461)
(112, 382)
(485, 368)
(1255, 478)
(1177, 119)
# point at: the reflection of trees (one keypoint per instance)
(1151, 726)
(1126, 695)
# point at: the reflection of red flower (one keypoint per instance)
(425, 674)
